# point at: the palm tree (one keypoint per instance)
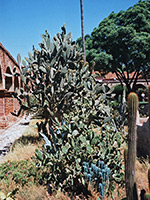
(82, 28)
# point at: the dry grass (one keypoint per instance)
(142, 175)
(59, 196)
(28, 192)
(142, 167)
(32, 193)
(24, 148)
(20, 153)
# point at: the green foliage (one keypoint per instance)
(118, 90)
(79, 122)
(120, 105)
(121, 44)
(21, 172)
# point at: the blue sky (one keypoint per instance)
(23, 21)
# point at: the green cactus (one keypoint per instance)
(58, 84)
(131, 158)
(135, 195)
(125, 161)
(53, 74)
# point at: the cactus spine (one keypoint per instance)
(131, 155)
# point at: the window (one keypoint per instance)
(8, 80)
(1, 81)
(16, 83)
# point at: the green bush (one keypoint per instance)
(118, 91)
(21, 172)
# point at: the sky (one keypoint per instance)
(23, 21)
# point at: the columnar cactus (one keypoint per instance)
(131, 157)
(125, 161)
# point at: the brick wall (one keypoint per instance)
(7, 85)
(2, 108)
(3, 124)
(9, 105)
(16, 104)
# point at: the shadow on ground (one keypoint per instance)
(25, 123)
(25, 140)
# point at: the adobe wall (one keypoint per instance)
(7, 86)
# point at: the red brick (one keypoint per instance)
(7, 86)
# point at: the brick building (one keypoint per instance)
(111, 79)
(7, 86)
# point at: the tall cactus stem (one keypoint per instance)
(125, 162)
(132, 135)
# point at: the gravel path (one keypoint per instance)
(11, 134)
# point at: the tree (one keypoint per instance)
(121, 44)
(82, 27)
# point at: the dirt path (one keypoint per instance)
(11, 134)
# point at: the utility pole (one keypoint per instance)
(82, 28)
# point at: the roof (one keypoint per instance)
(9, 55)
(112, 78)
(110, 75)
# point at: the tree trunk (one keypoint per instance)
(82, 28)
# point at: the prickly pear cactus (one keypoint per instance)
(58, 83)
(51, 75)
